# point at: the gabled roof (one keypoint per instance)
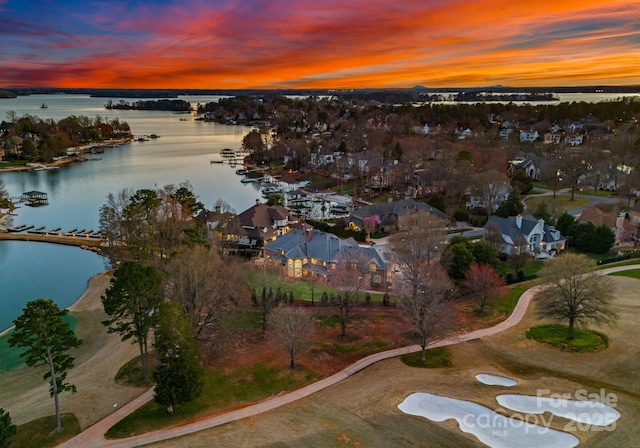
(322, 246)
(258, 221)
(598, 217)
(396, 208)
(510, 231)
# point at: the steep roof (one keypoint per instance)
(258, 221)
(598, 217)
(510, 231)
(323, 246)
(388, 211)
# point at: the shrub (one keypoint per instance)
(324, 299)
(477, 220)
(386, 300)
(461, 214)
(367, 298)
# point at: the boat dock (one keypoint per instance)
(57, 232)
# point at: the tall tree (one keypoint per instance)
(131, 302)
(7, 429)
(179, 374)
(482, 283)
(140, 223)
(204, 285)
(111, 221)
(575, 294)
(491, 186)
(413, 250)
(456, 259)
(292, 329)
(512, 206)
(426, 308)
(47, 339)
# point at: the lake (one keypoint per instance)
(76, 191)
(30, 270)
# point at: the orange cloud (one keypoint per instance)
(327, 44)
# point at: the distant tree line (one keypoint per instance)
(170, 105)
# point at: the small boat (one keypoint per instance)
(226, 152)
(216, 161)
(248, 180)
(154, 136)
(43, 106)
(242, 171)
(271, 189)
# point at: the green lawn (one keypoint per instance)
(434, 358)
(556, 335)
(222, 390)
(301, 289)
(530, 268)
(507, 304)
(41, 432)
(557, 205)
(633, 273)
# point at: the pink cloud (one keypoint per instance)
(361, 43)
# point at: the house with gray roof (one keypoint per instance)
(309, 252)
(395, 216)
(542, 239)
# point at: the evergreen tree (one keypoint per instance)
(512, 206)
(47, 339)
(131, 303)
(179, 375)
(7, 429)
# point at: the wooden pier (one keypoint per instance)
(56, 232)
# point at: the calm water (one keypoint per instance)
(76, 191)
(31, 270)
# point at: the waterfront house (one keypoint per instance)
(262, 223)
(306, 252)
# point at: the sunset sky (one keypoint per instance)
(213, 44)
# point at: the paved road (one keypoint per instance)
(94, 436)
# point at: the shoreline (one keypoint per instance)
(90, 299)
(68, 159)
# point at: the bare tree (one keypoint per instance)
(482, 283)
(112, 220)
(520, 255)
(426, 309)
(575, 293)
(493, 234)
(292, 330)
(411, 251)
(204, 285)
(492, 186)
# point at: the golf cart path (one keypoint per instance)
(94, 436)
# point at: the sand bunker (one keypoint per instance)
(495, 380)
(582, 411)
(489, 427)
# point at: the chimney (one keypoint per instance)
(307, 234)
(258, 201)
(218, 209)
(519, 221)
